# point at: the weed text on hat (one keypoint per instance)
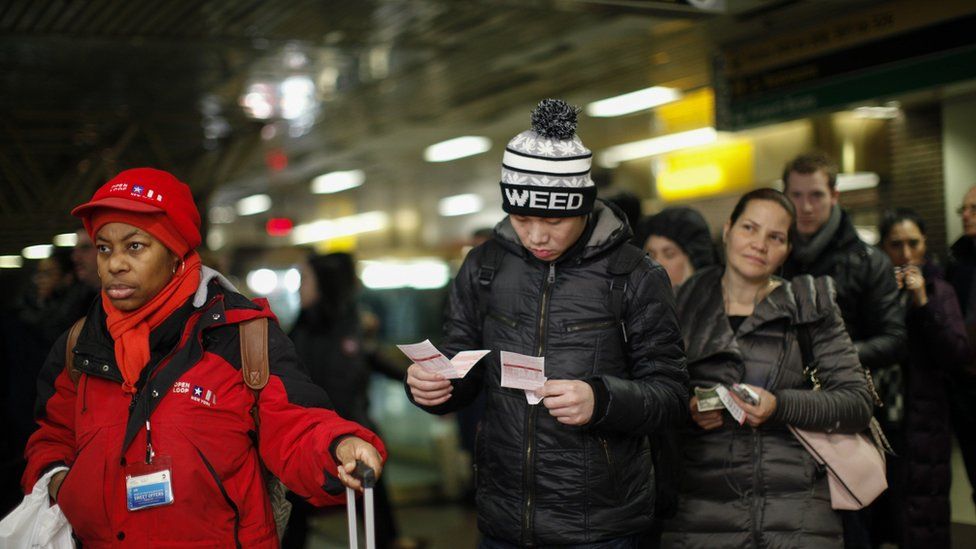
(546, 170)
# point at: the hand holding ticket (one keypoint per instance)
(429, 358)
(524, 372)
(717, 397)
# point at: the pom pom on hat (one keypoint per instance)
(555, 118)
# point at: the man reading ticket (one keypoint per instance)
(559, 298)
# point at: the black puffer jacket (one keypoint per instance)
(541, 482)
(866, 293)
(332, 353)
(757, 487)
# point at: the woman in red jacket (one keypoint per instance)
(158, 434)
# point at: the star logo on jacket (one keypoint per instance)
(203, 396)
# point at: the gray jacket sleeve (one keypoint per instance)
(844, 402)
(656, 395)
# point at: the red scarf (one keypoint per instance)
(130, 329)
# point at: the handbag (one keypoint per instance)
(35, 522)
(855, 463)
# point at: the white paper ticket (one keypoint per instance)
(524, 372)
(465, 360)
(432, 360)
(738, 413)
(429, 358)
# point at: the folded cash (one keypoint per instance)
(708, 399)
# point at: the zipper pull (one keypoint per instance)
(552, 273)
(623, 330)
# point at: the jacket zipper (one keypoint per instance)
(84, 393)
(611, 468)
(223, 491)
(595, 325)
(511, 323)
(758, 495)
(531, 413)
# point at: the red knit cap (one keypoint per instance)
(152, 200)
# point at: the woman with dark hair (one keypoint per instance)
(915, 510)
(678, 238)
(328, 337)
(150, 433)
(752, 484)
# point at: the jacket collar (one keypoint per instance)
(96, 346)
(964, 249)
(843, 237)
(705, 324)
(606, 228)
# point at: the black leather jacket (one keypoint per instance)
(541, 482)
(866, 293)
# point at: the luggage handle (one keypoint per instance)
(367, 476)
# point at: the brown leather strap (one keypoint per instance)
(69, 357)
(254, 352)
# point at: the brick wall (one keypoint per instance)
(916, 178)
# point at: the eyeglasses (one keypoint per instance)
(968, 208)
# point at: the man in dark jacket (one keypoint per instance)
(828, 244)
(961, 273)
(574, 469)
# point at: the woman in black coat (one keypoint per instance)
(915, 511)
(751, 484)
(328, 337)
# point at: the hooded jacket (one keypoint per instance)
(866, 293)
(195, 399)
(540, 482)
(758, 487)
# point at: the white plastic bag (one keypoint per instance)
(35, 523)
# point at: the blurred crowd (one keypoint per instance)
(619, 447)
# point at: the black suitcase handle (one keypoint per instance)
(365, 474)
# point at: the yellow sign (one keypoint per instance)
(722, 168)
(695, 110)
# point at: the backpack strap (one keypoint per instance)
(624, 260)
(69, 363)
(491, 259)
(254, 352)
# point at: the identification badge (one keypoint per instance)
(149, 484)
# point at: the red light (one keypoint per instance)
(278, 226)
(276, 160)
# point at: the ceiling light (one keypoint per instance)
(334, 182)
(421, 274)
(11, 261)
(327, 229)
(254, 204)
(613, 156)
(460, 204)
(221, 214)
(459, 147)
(65, 240)
(627, 103)
(297, 97)
(40, 251)
(262, 281)
(889, 110)
(857, 181)
(292, 280)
